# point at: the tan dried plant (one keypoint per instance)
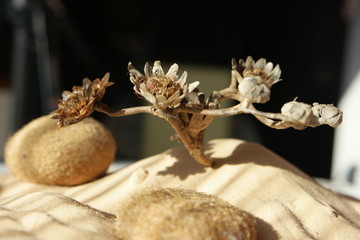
(187, 110)
(81, 102)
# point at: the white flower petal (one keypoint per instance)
(268, 67)
(182, 79)
(157, 69)
(193, 85)
(163, 102)
(174, 96)
(147, 95)
(275, 75)
(147, 69)
(249, 62)
(134, 74)
(172, 73)
(160, 99)
(276, 72)
(260, 64)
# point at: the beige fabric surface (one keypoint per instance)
(286, 203)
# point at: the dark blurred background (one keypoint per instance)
(48, 46)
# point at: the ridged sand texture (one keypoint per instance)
(285, 202)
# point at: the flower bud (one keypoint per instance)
(254, 91)
(298, 112)
(327, 114)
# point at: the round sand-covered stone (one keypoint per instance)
(73, 155)
(180, 213)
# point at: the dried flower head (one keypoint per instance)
(162, 90)
(256, 78)
(81, 102)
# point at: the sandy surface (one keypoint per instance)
(286, 203)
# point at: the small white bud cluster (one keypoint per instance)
(254, 90)
(299, 113)
(256, 78)
(327, 114)
(302, 115)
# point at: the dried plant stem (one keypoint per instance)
(190, 131)
(198, 123)
(207, 115)
(194, 143)
(236, 110)
(123, 112)
(195, 146)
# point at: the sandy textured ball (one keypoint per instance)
(73, 155)
(178, 213)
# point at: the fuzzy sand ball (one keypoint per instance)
(178, 213)
(73, 155)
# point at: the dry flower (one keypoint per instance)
(269, 74)
(162, 90)
(256, 78)
(187, 110)
(81, 102)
